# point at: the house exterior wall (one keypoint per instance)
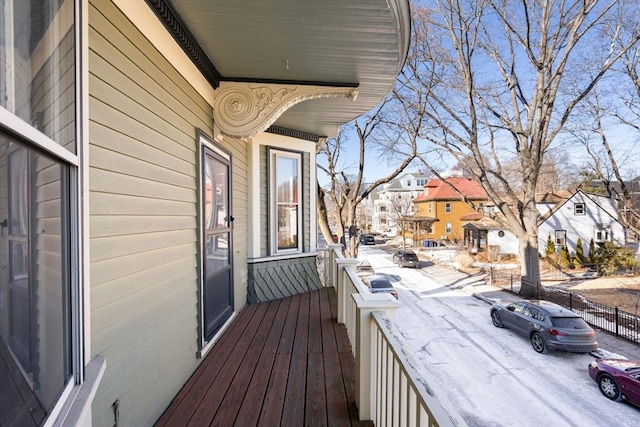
(585, 226)
(380, 211)
(506, 240)
(144, 176)
(458, 210)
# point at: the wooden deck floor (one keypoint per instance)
(283, 363)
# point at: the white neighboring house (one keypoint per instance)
(481, 232)
(406, 187)
(584, 216)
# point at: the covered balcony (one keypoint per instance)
(326, 357)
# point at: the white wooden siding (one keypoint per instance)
(579, 226)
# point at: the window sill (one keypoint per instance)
(283, 256)
(77, 408)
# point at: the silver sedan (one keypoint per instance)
(549, 326)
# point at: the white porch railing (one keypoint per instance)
(391, 386)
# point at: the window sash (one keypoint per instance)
(40, 244)
(286, 201)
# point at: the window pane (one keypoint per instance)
(216, 198)
(287, 179)
(34, 282)
(217, 252)
(37, 65)
(287, 227)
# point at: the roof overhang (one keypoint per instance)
(313, 65)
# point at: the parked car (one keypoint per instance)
(617, 379)
(406, 258)
(549, 326)
(369, 239)
(387, 234)
(379, 284)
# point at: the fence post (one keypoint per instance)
(570, 300)
(342, 290)
(366, 356)
(616, 311)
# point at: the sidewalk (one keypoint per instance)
(610, 345)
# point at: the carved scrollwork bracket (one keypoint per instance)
(242, 110)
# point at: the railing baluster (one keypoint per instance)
(390, 389)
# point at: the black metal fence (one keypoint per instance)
(612, 319)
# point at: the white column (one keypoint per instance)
(366, 357)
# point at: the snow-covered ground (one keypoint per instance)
(491, 375)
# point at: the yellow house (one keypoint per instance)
(441, 210)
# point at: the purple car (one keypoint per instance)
(617, 379)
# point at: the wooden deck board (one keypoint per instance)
(337, 407)
(316, 399)
(247, 415)
(283, 363)
(185, 403)
(231, 373)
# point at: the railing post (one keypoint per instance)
(366, 357)
(343, 291)
(333, 248)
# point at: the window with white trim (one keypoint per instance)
(447, 207)
(560, 238)
(602, 235)
(579, 209)
(285, 201)
(448, 228)
(40, 327)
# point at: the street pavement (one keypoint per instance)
(609, 344)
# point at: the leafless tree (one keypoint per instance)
(400, 213)
(501, 83)
(613, 111)
(606, 164)
(345, 190)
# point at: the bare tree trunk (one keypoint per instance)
(323, 221)
(530, 280)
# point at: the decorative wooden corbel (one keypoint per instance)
(242, 110)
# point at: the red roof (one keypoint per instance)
(476, 216)
(439, 190)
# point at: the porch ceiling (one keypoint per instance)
(326, 42)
